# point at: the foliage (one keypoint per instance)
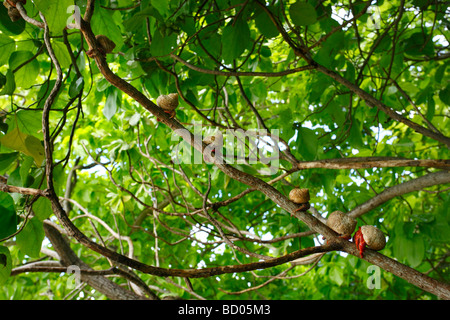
(233, 68)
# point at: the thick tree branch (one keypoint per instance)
(27, 191)
(368, 98)
(241, 73)
(428, 180)
(373, 102)
(96, 281)
(441, 290)
(372, 162)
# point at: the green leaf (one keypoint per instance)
(328, 182)
(134, 120)
(264, 24)
(5, 264)
(29, 240)
(24, 169)
(139, 19)
(337, 275)
(56, 13)
(104, 22)
(307, 143)
(418, 44)
(6, 159)
(76, 86)
(444, 95)
(26, 76)
(302, 13)
(42, 208)
(8, 216)
(161, 5)
(416, 251)
(24, 143)
(330, 48)
(61, 53)
(440, 228)
(10, 86)
(110, 105)
(162, 45)
(235, 39)
(28, 121)
(355, 137)
(44, 92)
(2, 80)
(188, 26)
(7, 46)
(400, 246)
(431, 108)
(440, 73)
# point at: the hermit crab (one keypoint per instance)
(168, 103)
(342, 224)
(369, 236)
(104, 45)
(13, 12)
(300, 197)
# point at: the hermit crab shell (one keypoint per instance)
(299, 195)
(341, 223)
(105, 43)
(209, 140)
(13, 13)
(168, 102)
(373, 237)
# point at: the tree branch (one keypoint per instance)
(96, 281)
(241, 74)
(372, 162)
(373, 102)
(27, 191)
(441, 290)
(428, 180)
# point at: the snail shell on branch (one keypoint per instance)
(106, 44)
(209, 140)
(373, 237)
(299, 195)
(168, 102)
(214, 140)
(341, 223)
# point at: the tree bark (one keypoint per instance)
(98, 282)
(441, 290)
(428, 180)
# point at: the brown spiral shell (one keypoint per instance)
(168, 102)
(373, 237)
(106, 44)
(298, 195)
(341, 223)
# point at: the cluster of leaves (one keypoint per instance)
(122, 163)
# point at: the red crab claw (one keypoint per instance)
(171, 113)
(303, 207)
(359, 241)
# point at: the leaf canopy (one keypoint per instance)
(348, 99)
